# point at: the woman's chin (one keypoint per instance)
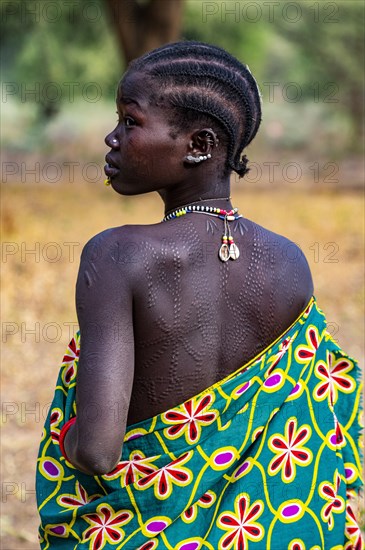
(122, 187)
(129, 188)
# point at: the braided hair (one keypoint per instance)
(204, 82)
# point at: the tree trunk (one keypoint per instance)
(143, 26)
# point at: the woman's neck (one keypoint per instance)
(216, 195)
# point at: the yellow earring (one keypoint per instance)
(107, 181)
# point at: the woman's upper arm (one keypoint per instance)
(106, 364)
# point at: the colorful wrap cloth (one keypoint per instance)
(266, 458)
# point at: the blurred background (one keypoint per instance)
(61, 62)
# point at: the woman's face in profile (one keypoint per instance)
(144, 156)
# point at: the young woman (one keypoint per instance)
(211, 409)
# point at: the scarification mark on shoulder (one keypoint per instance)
(87, 278)
(239, 225)
(211, 226)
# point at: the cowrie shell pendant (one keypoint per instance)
(234, 252)
(224, 253)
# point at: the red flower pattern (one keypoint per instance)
(70, 361)
(290, 450)
(335, 503)
(241, 526)
(164, 478)
(189, 417)
(79, 499)
(334, 378)
(305, 353)
(105, 526)
(72, 352)
(131, 470)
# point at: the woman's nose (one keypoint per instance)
(112, 141)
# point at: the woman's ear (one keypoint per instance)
(201, 145)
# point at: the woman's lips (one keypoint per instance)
(110, 170)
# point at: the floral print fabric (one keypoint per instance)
(265, 459)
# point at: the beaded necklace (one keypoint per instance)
(228, 249)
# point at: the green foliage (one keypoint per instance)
(323, 53)
(66, 45)
(328, 40)
(247, 40)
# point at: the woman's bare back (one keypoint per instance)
(197, 319)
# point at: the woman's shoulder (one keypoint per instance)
(123, 232)
(275, 243)
(286, 260)
(119, 247)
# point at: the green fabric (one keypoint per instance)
(264, 459)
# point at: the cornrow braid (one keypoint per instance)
(213, 71)
(200, 78)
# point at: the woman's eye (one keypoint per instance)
(129, 121)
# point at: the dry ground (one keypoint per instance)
(39, 288)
